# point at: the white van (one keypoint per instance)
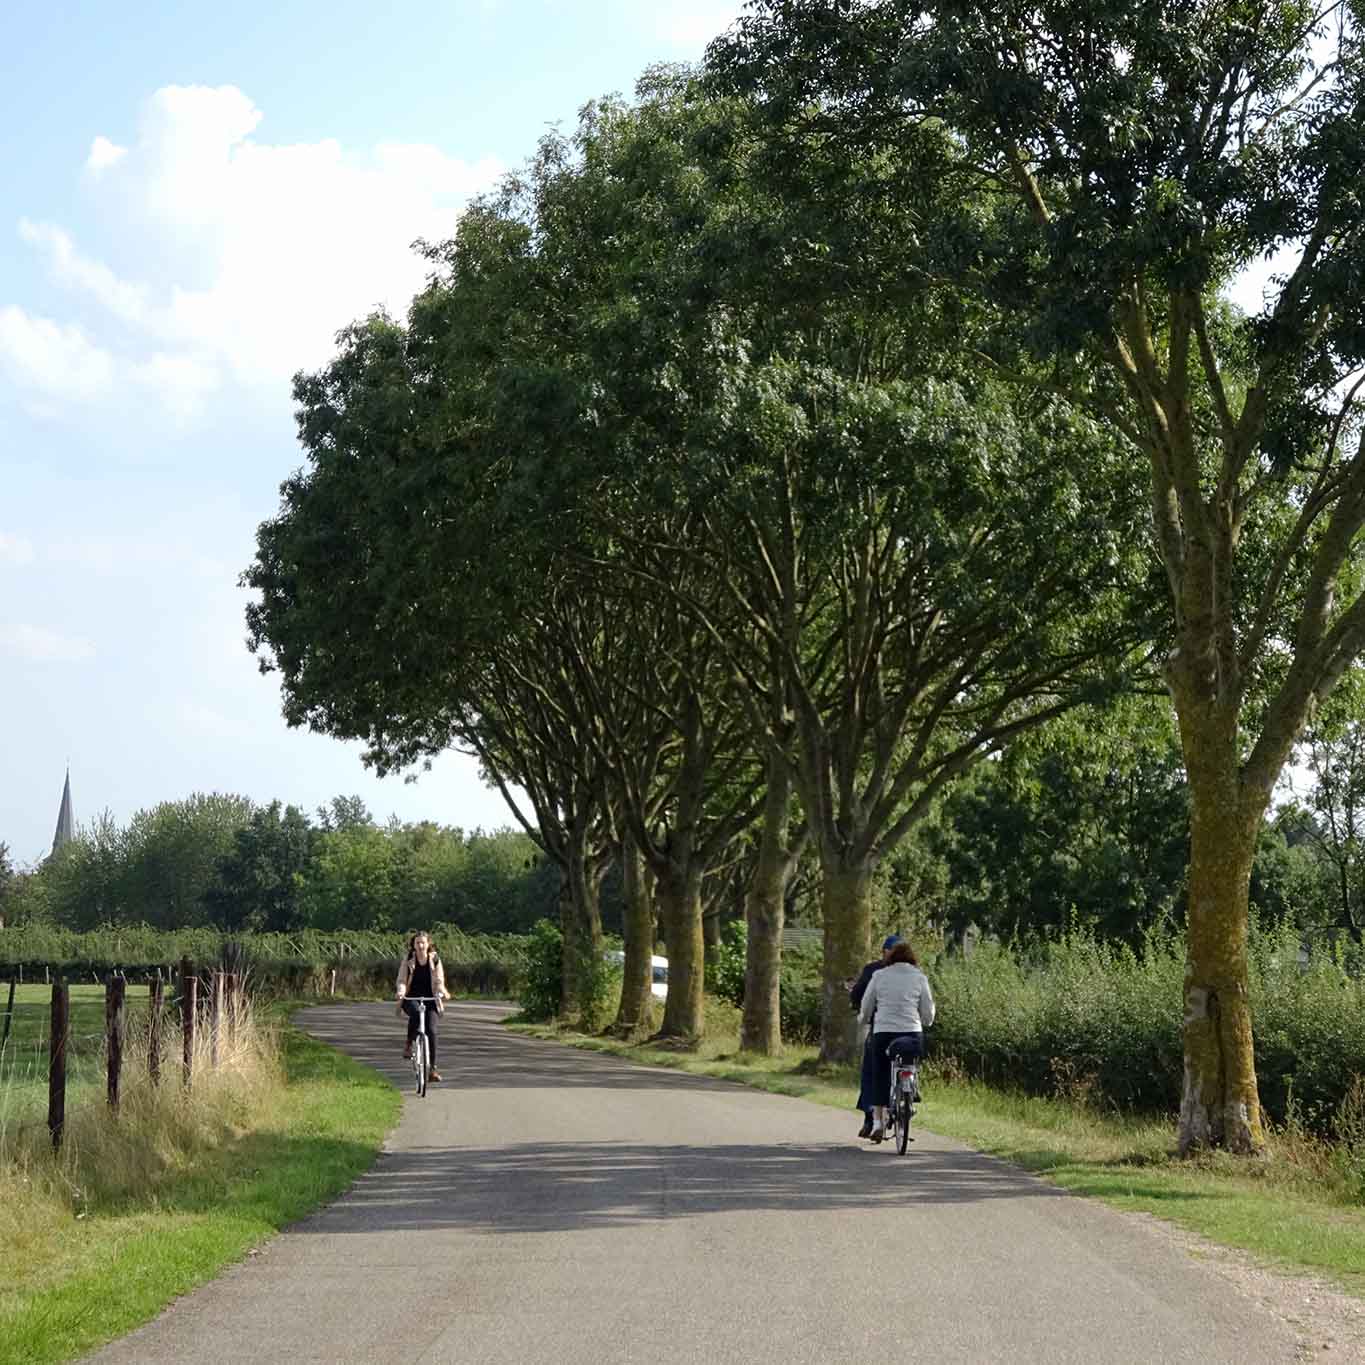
(658, 986)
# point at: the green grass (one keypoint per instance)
(80, 1270)
(1299, 1207)
(24, 1057)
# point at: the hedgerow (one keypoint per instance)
(1102, 1022)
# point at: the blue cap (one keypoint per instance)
(891, 940)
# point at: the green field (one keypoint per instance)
(24, 1058)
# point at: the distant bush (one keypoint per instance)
(542, 990)
(542, 982)
(800, 991)
(302, 963)
(725, 972)
(1087, 1020)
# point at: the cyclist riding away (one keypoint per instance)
(899, 997)
(422, 975)
(868, 1075)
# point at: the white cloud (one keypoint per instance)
(694, 25)
(15, 549)
(209, 720)
(39, 645)
(180, 382)
(276, 247)
(51, 360)
(1252, 289)
(177, 557)
(124, 300)
(104, 154)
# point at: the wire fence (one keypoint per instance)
(74, 1063)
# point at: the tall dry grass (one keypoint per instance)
(114, 1162)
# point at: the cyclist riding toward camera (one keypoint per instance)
(422, 975)
(899, 997)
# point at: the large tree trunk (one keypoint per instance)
(679, 894)
(765, 907)
(847, 896)
(638, 932)
(581, 921)
(568, 960)
(1220, 1106)
(761, 1026)
(710, 928)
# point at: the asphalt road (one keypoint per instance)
(549, 1205)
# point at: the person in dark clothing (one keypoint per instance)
(422, 974)
(868, 1075)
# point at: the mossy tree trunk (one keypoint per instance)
(581, 919)
(638, 925)
(679, 892)
(847, 899)
(764, 913)
(1220, 1104)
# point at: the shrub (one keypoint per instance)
(542, 992)
(801, 1008)
(725, 973)
(1081, 1017)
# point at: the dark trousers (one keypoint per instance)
(907, 1045)
(867, 1077)
(411, 1011)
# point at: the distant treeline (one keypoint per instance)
(1085, 827)
(224, 864)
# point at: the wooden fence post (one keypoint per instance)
(56, 1071)
(9, 1014)
(115, 990)
(215, 1016)
(155, 1003)
(238, 1003)
(189, 1004)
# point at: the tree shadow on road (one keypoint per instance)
(547, 1187)
(479, 1054)
(533, 1186)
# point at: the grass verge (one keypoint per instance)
(89, 1259)
(1298, 1208)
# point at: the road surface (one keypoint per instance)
(548, 1205)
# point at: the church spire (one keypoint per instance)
(66, 820)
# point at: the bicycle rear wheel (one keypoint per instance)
(902, 1123)
(419, 1063)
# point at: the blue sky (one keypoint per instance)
(193, 199)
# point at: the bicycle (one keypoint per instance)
(421, 1064)
(905, 1093)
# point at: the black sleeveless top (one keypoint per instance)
(420, 981)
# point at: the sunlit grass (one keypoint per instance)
(140, 1209)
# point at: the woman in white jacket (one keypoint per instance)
(898, 1006)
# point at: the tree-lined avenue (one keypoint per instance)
(545, 1204)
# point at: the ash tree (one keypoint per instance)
(398, 603)
(425, 585)
(1137, 158)
(916, 563)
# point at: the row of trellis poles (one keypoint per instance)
(222, 1013)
